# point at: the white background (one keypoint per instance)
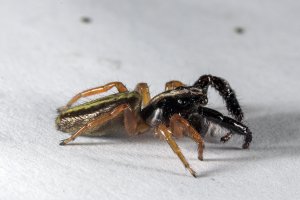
(47, 55)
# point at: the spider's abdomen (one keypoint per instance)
(76, 117)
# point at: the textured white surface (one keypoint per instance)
(48, 55)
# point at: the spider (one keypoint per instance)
(178, 111)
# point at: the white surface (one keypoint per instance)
(48, 55)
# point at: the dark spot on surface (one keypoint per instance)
(86, 20)
(239, 30)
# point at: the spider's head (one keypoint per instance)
(189, 95)
(181, 96)
(179, 100)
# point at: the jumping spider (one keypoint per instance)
(178, 111)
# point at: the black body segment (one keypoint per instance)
(225, 90)
(182, 100)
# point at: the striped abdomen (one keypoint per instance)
(76, 117)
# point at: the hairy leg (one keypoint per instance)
(179, 126)
(225, 90)
(120, 86)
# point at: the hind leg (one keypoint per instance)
(93, 91)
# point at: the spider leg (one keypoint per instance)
(130, 121)
(180, 126)
(172, 85)
(97, 90)
(233, 125)
(163, 131)
(143, 89)
(225, 90)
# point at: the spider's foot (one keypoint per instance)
(64, 142)
(200, 157)
(192, 172)
(248, 140)
(226, 137)
(246, 145)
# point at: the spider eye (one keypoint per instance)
(180, 101)
(204, 101)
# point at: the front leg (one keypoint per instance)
(163, 131)
(229, 123)
(225, 90)
(180, 126)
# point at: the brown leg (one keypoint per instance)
(133, 124)
(120, 86)
(180, 126)
(173, 84)
(163, 131)
(143, 89)
(129, 120)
